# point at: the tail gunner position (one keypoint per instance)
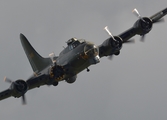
(76, 57)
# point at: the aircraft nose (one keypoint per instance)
(91, 50)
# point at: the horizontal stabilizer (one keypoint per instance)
(37, 62)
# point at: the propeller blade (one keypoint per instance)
(10, 81)
(110, 57)
(23, 100)
(135, 11)
(109, 33)
(7, 80)
(142, 38)
(159, 21)
(129, 41)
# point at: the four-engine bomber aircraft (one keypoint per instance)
(77, 56)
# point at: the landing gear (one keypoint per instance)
(87, 69)
(55, 83)
(117, 53)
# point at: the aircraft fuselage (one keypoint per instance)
(78, 58)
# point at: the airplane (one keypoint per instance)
(76, 57)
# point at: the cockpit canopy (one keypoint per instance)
(72, 43)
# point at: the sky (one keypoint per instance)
(132, 86)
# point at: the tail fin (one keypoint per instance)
(37, 62)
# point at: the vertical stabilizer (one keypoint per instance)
(37, 62)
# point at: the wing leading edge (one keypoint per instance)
(38, 63)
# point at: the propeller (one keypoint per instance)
(110, 34)
(136, 13)
(19, 85)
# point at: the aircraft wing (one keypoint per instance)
(138, 30)
(37, 81)
(19, 87)
(5, 94)
(141, 27)
(156, 17)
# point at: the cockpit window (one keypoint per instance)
(81, 40)
(70, 41)
(74, 45)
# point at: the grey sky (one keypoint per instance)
(133, 86)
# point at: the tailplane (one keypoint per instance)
(38, 63)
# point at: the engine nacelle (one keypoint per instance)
(57, 72)
(19, 88)
(111, 46)
(143, 26)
